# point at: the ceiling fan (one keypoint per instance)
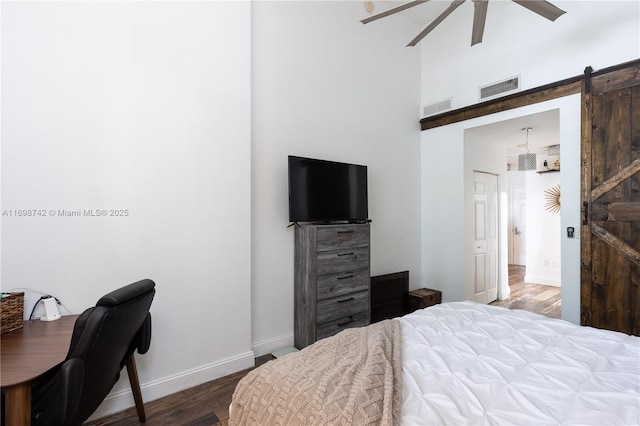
(541, 7)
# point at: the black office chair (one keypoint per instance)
(103, 341)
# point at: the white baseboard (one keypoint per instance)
(541, 280)
(268, 346)
(121, 400)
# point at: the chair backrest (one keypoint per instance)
(104, 337)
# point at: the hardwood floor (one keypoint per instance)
(208, 404)
(203, 405)
(541, 299)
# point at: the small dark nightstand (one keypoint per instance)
(424, 297)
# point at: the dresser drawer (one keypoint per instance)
(333, 262)
(335, 285)
(332, 280)
(339, 237)
(337, 307)
(358, 319)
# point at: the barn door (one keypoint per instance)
(610, 242)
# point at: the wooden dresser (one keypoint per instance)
(332, 280)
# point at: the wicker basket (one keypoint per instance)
(11, 312)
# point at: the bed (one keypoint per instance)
(453, 363)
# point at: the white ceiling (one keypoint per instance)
(546, 130)
(509, 133)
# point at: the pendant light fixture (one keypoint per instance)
(527, 162)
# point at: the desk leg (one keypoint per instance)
(18, 405)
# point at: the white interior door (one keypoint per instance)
(519, 204)
(486, 237)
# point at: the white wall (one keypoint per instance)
(543, 230)
(544, 233)
(184, 113)
(518, 42)
(142, 106)
(325, 86)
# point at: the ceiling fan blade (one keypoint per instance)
(542, 8)
(479, 18)
(392, 11)
(435, 22)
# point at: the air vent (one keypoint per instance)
(500, 88)
(553, 150)
(436, 107)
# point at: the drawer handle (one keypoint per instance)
(346, 300)
(345, 254)
(340, 324)
(345, 277)
(345, 232)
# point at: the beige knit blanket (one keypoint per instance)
(352, 378)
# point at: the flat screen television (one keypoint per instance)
(327, 191)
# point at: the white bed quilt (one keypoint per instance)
(465, 363)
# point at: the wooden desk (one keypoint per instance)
(26, 355)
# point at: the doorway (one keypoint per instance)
(531, 236)
(449, 155)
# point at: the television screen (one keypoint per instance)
(326, 191)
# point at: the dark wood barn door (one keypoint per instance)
(610, 237)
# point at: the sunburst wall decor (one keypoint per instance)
(553, 199)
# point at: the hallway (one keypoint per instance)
(541, 299)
